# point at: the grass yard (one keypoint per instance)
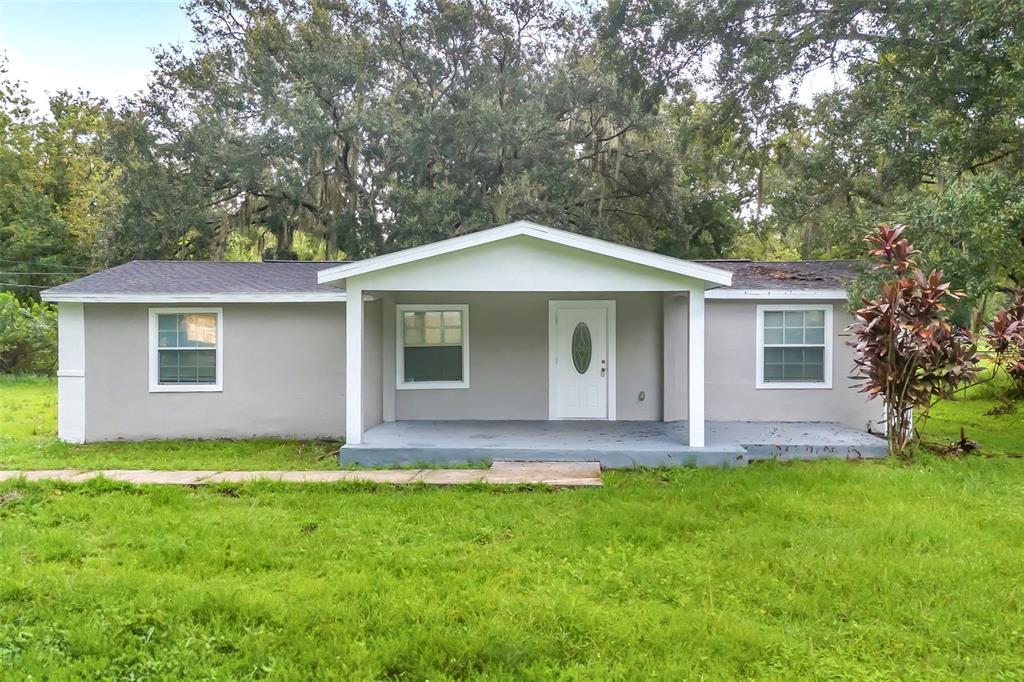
(822, 570)
(996, 424)
(28, 440)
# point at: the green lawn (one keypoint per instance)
(999, 432)
(28, 440)
(822, 570)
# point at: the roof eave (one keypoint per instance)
(51, 296)
(787, 294)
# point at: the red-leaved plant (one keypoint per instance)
(1005, 336)
(906, 350)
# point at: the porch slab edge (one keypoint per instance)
(366, 455)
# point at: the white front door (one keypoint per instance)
(580, 361)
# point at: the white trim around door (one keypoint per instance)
(554, 412)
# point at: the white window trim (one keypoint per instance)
(400, 382)
(827, 355)
(154, 356)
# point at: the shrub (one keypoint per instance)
(1005, 336)
(906, 350)
(28, 336)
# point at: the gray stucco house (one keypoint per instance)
(516, 341)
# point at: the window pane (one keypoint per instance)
(792, 355)
(794, 364)
(812, 369)
(433, 327)
(433, 363)
(187, 330)
(187, 367)
(814, 372)
(800, 353)
(167, 338)
(794, 336)
(197, 330)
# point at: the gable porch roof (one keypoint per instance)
(522, 228)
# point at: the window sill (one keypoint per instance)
(427, 385)
(186, 388)
(802, 385)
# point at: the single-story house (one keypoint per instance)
(519, 341)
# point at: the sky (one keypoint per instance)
(103, 47)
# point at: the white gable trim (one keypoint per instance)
(526, 228)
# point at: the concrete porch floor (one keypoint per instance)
(616, 444)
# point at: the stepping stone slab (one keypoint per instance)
(451, 476)
(375, 476)
(66, 475)
(157, 477)
(551, 473)
(567, 474)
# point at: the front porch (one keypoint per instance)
(618, 444)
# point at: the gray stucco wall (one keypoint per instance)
(508, 335)
(284, 376)
(731, 352)
(373, 353)
(284, 373)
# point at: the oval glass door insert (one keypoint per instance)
(582, 348)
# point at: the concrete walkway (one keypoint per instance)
(558, 474)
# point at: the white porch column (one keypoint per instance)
(353, 364)
(695, 367)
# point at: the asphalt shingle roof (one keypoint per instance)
(203, 277)
(299, 277)
(803, 275)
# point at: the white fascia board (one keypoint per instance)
(58, 297)
(525, 228)
(778, 294)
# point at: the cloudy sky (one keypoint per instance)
(103, 47)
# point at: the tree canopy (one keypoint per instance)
(776, 129)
